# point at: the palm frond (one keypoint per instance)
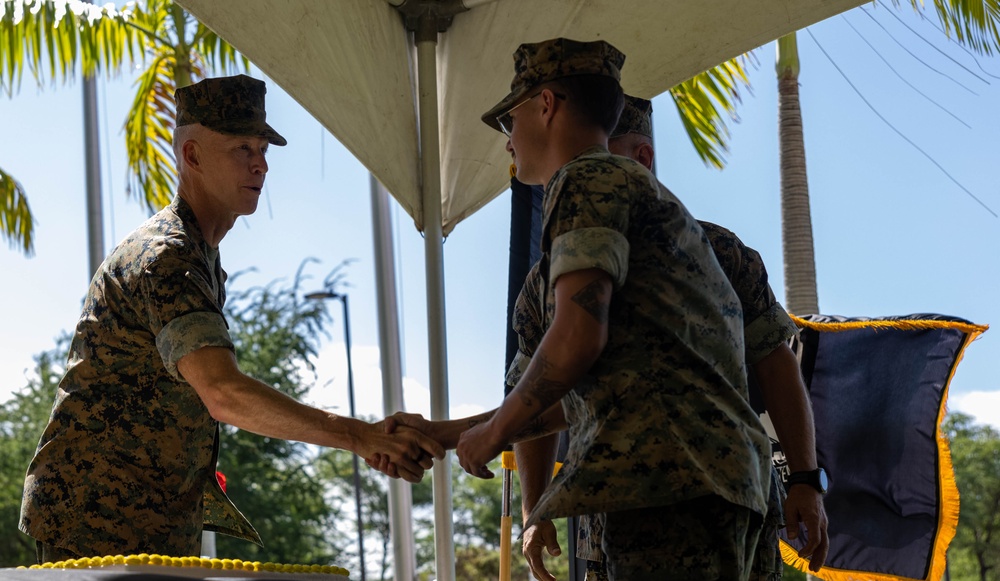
(149, 135)
(16, 222)
(973, 23)
(218, 54)
(702, 102)
(50, 38)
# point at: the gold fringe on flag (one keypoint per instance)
(947, 488)
(901, 324)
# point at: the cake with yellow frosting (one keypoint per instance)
(200, 568)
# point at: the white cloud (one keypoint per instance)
(331, 389)
(984, 406)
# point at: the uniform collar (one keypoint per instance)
(186, 213)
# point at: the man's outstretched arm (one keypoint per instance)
(234, 398)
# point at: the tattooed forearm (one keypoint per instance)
(591, 299)
(536, 388)
(481, 418)
(535, 428)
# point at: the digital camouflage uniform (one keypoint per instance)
(662, 417)
(766, 326)
(126, 463)
(661, 420)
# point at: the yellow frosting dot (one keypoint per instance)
(166, 560)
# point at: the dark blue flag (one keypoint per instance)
(878, 389)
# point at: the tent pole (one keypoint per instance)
(404, 561)
(430, 172)
(91, 150)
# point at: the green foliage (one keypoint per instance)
(975, 453)
(336, 468)
(699, 100)
(973, 23)
(477, 505)
(22, 419)
(16, 223)
(52, 38)
(274, 482)
(793, 574)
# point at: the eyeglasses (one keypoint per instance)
(506, 122)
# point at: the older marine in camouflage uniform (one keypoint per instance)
(659, 420)
(127, 461)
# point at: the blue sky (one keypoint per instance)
(894, 234)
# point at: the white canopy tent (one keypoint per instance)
(402, 83)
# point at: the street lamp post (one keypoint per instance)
(342, 297)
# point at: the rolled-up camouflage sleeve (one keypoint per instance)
(588, 222)
(765, 333)
(189, 333)
(182, 311)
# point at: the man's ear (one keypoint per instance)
(644, 155)
(191, 154)
(549, 104)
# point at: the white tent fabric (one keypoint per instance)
(349, 63)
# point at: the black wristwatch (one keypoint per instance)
(815, 478)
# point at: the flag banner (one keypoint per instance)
(878, 389)
(525, 250)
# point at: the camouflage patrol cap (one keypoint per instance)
(541, 62)
(636, 117)
(230, 105)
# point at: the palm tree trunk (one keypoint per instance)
(796, 223)
(182, 52)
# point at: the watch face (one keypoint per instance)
(824, 482)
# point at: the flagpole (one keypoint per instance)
(404, 562)
(91, 152)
